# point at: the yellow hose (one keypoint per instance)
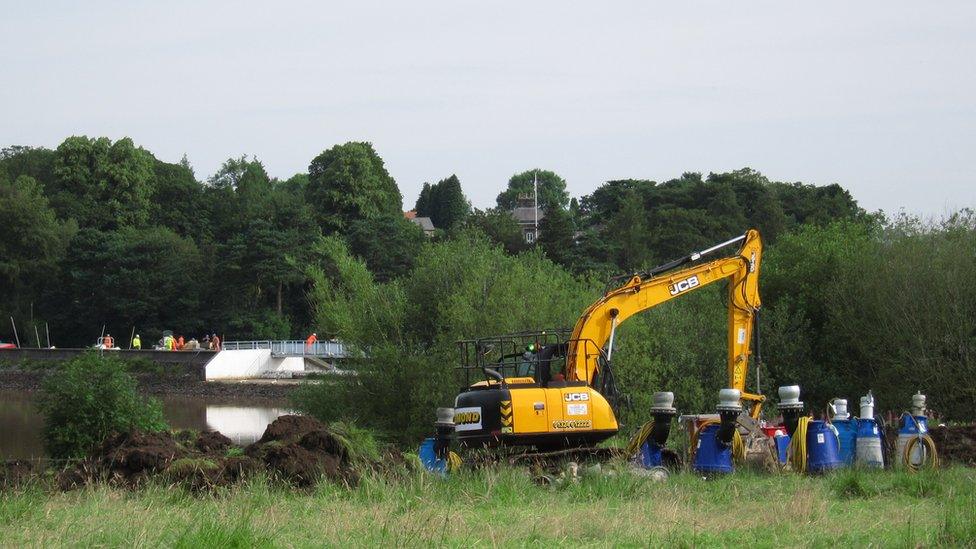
(930, 457)
(453, 462)
(638, 439)
(738, 446)
(797, 451)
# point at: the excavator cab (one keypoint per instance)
(516, 392)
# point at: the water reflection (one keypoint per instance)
(242, 420)
(242, 424)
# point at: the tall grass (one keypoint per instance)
(505, 507)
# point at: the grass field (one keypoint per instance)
(504, 508)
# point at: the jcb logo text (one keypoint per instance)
(684, 285)
(576, 397)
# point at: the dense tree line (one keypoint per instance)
(103, 233)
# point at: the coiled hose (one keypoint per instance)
(930, 457)
(638, 439)
(453, 462)
(738, 446)
(796, 453)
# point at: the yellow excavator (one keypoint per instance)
(555, 389)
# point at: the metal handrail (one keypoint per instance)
(294, 347)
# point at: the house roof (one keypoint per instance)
(410, 215)
(425, 223)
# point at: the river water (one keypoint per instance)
(242, 420)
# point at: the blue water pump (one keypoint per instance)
(823, 453)
(819, 445)
(663, 411)
(846, 429)
(434, 451)
(713, 451)
(912, 425)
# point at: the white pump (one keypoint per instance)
(868, 450)
(867, 406)
(838, 409)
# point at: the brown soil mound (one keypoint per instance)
(130, 456)
(238, 468)
(301, 450)
(210, 442)
(290, 428)
(195, 473)
(296, 449)
(956, 444)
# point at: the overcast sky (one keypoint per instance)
(879, 97)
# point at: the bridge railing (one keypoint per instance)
(297, 347)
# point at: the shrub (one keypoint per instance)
(89, 398)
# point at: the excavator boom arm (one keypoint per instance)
(594, 328)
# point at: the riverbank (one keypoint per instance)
(161, 382)
(503, 507)
(242, 419)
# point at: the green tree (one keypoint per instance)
(149, 278)
(444, 202)
(803, 203)
(425, 201)
(628, 235)
(101, 184)
(500, 227)
(350, 182)
(265, 236)
(88, 399)
(389, 245)
(552, 190)
(35, 162)
(178, 200)
(757, 200)
(32, 243)
(557, 237)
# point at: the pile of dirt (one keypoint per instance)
(296, 449)
(210, 442)
(301, 450)
(956, 444)
(132, 456)
(286, 428)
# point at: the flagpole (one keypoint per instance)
(535, 191)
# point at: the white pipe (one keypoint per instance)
(696, 255)
(613, 330)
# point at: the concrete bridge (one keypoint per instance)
(266, 359)
(292, 348)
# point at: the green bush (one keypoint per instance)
(89, 398)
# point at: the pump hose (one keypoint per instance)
(453, 462)
(797, 451)
(738, 446)
(930, 457)
(638, 439)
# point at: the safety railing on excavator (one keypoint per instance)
(323, 349)
(521, 354)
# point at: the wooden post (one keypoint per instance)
(16, 337)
